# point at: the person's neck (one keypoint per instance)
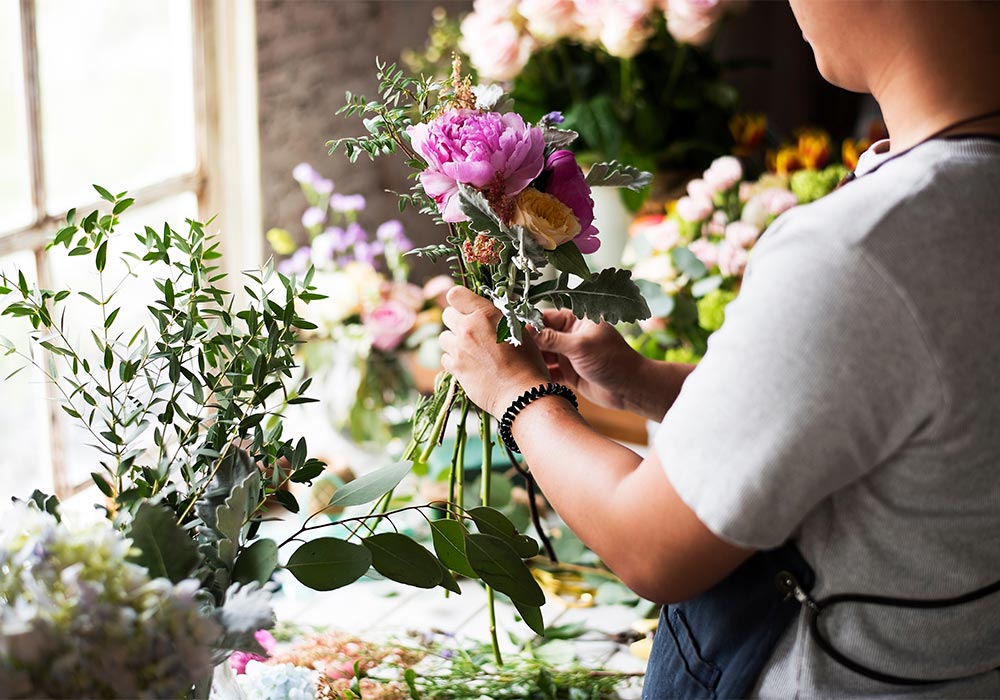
(920, 97)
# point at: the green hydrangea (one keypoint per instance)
(683, 354)
(712, 309)
(810, 185)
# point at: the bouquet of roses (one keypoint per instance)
(690, 261)
(374, 327)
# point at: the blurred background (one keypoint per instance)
(203, 108)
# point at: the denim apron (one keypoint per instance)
(715, 644)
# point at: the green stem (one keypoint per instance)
(484, 433)
(458, 458)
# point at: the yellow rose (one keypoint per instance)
(550, 222)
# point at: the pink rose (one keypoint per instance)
(742, 234)
(706, 251)
(406, 293)
(495, 47)
(389, 323)
(625, 27)
(732, 259)
(664, 235)
(723, 173)
(481, 149)
(699, 188)
(717, 224)
(437, 287)
(761, 208)
(694, 209)
(693, 21)
(549, 20)
(563, 179)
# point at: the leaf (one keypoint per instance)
(556, 138)
(122, 206)
(105, 195)
(449, 543)
(482, 219)
(568, 258)
(493, 522)
(615, 174)
(101, 259)
(308, 472)
(610, 296)
(287, 501)
(164, 547)
(688, 263)
(399, 558)
(370, 486)
(500, 567)
(532, 616)
(102, 483)
(328, 563)
(257, 562)
(448, 581)
(705, 285)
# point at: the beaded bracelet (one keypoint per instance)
(507, 421)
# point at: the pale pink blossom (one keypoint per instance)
(694, 208)
(723, 173)
(706, 251)
(497, 48)
(389, 323)
(699, 188)
(732, 259)
(652, 324)
(664, 235)
(717, 224)
(767, 204)
(437, 287)
(742, 234)
(406, 293)
(496, 10)
(693, 21)
(747, 190)
(659, 269)
(549, 20)
(625, 27)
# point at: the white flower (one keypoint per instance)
(278, 682)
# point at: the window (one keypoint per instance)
(130, 96)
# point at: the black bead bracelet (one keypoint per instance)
(518, 404)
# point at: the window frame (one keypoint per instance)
(225, 178)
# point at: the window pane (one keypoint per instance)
(15, 182)
(24, 459)
(133, 295)
(117, 95)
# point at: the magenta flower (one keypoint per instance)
(240, 659)
(563, 179)
(496, 153)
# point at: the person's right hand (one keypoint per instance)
(591, 358)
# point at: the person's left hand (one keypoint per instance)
(492, 374)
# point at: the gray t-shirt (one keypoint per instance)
(851, 403)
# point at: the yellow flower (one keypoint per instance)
(281, 241)
(814, 148)
(784, 161)
(852, 150)
(550, 222)
(748, 130)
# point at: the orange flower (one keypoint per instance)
(784, 161)
(852, 150)
(748, 130)
(813, 148)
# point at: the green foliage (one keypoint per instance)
(611, 295)
(371, 486)
(162, 546)
(615, 174)
(328, 563)
(399, 558)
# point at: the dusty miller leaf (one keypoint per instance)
(610, 296)
(615, 174)
(164, 547)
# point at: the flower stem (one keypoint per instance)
(484, 433)
(458, 457)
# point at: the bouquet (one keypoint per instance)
(690, 261)
(518, 217)
(81, 618)
(635, 78)
(374, 327)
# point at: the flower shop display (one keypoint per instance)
(513, 203)
(690, 260)
(375, 329)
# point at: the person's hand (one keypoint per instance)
(591, 358)
(492, 374)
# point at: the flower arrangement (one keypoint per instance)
(635, 78)
(515, 204)
(80, 618)
(690, 260)
(373, 324)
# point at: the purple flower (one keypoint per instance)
(496, 153)
(323, 185)
(347, 202)
(552, 118)
(298, 263)
(313, 216)
(393, 231)
(563, 179)
(303, 173)
(355, 234)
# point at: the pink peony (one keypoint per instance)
(495, 46)
(497, 153)
(239, 659)
(732, 259)
(742, 234)
(549, 20)
(706, 251)
(389, 323)
(723, 173)
(694, 208)
(563, 179)
(693, 21)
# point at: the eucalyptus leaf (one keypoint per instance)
(499, 566)
(328, 563)
(688, 263)
(399, 558)
(532, 616)
(162, 546)
(493, 522)
(568, 258)
(257, 562)
(449, 543)
(661, 304)
(371, 486)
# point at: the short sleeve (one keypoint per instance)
(818, 374)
